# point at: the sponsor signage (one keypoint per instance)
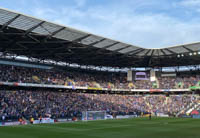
(195, 112)
(155, 90)
(162, 115)
(166, 90)
(90, 88)
(125, 116)
(168, 75)
(109, 117)
(93, 88)
(44, 121)
(140, 90)
(185, 116)
(120, 90)
(141, 76)
(196, 116)
(64, 120)
(10, 123)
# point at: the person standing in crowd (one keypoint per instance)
(31, 120)
(21, 121)
(3, 118)
(40, 119)
(149, 115)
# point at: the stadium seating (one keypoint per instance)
(33, 103)
(15, 104)
(96, 79)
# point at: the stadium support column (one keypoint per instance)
(154, 79)
(152, 75)
(129, 75)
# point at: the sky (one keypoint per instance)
(144, 23)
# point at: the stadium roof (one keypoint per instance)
(23, 35)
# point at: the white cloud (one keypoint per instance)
(80, 3)
(125, 24)
(190, 3)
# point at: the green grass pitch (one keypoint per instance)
(125, 128)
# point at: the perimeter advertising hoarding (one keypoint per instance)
(125, 116)
(64, 120)
(9, 123)
(185, 116)
(196, 116)
(44, 121)
(162, 115)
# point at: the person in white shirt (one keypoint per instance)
(3, 118)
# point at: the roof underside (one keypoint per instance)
(23, 35)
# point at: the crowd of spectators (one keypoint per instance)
(26, 104)
(85, 79)
(15, 104)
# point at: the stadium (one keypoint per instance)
(56, 81)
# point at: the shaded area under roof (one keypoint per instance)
(35, 38)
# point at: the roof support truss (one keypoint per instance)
(135, 53)
(95, 43)
(57, 31)
(163, 52)
(172, 52)
(188, 49)
(81, 38)
(103, 48)
(9, 22)
(147, 52)
(34, 27)
(132, 51)
(117, 50)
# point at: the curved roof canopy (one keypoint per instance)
(28, 36)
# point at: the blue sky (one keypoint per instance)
(145, 23)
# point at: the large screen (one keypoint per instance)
(141, 76)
